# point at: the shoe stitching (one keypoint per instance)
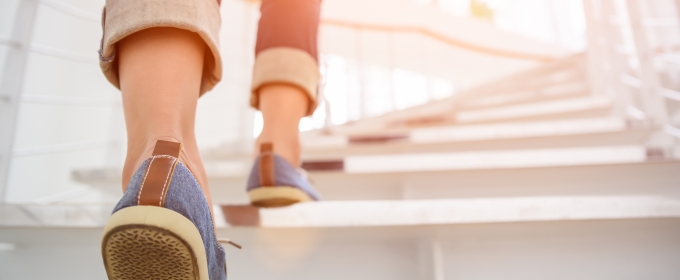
(165, 185)
(164, 156)
(139, 194)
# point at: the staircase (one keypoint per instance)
(558, 172)
(530, 177)
(541, 133)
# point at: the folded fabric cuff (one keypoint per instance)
(289, 66)
(122, 18)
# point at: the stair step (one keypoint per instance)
(517, 130)
(618, 138)
(523, 135)
(453, 211)
(430, 162)
(425, 162)
(642, 178)
(586, 249)
(626, 171)
(560, 80)
(479, 160)
(557, 91)
(446, 113)
(571, 106)
(331, 214)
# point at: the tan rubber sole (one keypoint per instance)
(278, 196)
(149, 242)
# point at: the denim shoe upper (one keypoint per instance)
(284, 175)
(185, 197)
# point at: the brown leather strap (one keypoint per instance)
(267, 165)
(158, 173)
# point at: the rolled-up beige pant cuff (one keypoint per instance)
(124, 17)
(289, 66)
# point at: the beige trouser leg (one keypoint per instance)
(124, 17)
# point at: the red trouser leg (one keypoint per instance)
(286, 50)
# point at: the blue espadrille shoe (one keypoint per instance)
(273, 182)
(162, 227)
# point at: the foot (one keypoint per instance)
(162, 227)
(274, 182)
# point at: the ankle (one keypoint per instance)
(141, 150)
(189, 157)
(282, 108)
(287, 148)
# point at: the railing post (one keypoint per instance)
(11, 85)
(602, 67)
(430, 259)
(650, 82)
(654, 104)
(677, 8)
(363, 99)
(393, 87)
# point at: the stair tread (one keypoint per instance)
(378, 213)
(544, 134)
(453, 211)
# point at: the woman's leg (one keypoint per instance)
(160, 72)
(286, 75)
(163, 55)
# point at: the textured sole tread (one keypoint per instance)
(277, 196)
(274, 202)
(147, 252)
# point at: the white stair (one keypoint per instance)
(558, 172)
(378, 213)
(464, 211)
(508, 177)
